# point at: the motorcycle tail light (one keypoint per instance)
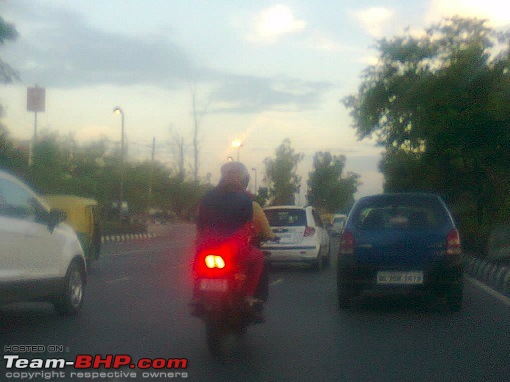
(214, 261)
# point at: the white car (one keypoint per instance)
(303, 237)
(41, 258)
(337, 224)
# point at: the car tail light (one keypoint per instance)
(309, 231)
(347, 243)
(453, 243)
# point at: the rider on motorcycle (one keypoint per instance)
(228, 210)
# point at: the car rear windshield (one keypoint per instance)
(400, 213)
(286, 217)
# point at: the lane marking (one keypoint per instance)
(502, 298)
(276, 282)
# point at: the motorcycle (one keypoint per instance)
(219, 295)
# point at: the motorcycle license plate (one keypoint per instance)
(214, 285)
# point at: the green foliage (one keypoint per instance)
(10, 157)
(7, 32)
(281, 174)
(262, 197)
(439, 105)
(60, 166)
(328, 189)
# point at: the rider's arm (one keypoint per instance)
(260, 223)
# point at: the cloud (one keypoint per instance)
(73, 54)
(375, 21)
(320, 41)
(249, 94)
(61, 50)
(273, 23)
(496, 11)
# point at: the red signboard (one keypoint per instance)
(36, 99)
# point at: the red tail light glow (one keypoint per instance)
(347, 243)
(453, 247)
(309, 231)
(214, 261)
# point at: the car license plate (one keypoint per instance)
(400, 278)
(214, 285)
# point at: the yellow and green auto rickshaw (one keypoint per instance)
(83, 216)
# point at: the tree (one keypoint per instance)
(281, 174)
(7, 32)
(328, 189)
(11, 158)
(197, 121)
(262, 196)
(439, 105)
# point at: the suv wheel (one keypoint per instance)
(345, 295)
(71, 299)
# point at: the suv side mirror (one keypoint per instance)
(55, 217)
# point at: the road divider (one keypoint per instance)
(121, 238)
(494, 275)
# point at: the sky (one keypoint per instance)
(261, 71)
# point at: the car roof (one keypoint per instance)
(285, 207)
(401, 195)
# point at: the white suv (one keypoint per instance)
(41, 258)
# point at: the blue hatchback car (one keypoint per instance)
(403, 242)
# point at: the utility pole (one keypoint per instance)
(36, 102)
(152, 169)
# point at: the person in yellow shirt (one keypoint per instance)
(261, 228)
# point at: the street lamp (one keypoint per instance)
(237, 145)
(255, 171)
(117, 110)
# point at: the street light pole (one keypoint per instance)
(237, 145)
(256, 189)
(117, 110)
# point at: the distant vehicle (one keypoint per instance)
(337, 224)
(40, 256)
(400, 243)
(83, 216)
(303, 237)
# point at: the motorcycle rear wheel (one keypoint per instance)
(215, 339)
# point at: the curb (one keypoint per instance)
(497, 277)
(126, 237)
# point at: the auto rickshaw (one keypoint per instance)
(83, 216)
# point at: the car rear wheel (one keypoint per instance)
(454, 297)
(318, 264)
(71, 299)
(327, 258)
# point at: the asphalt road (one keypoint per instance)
(136, 304)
